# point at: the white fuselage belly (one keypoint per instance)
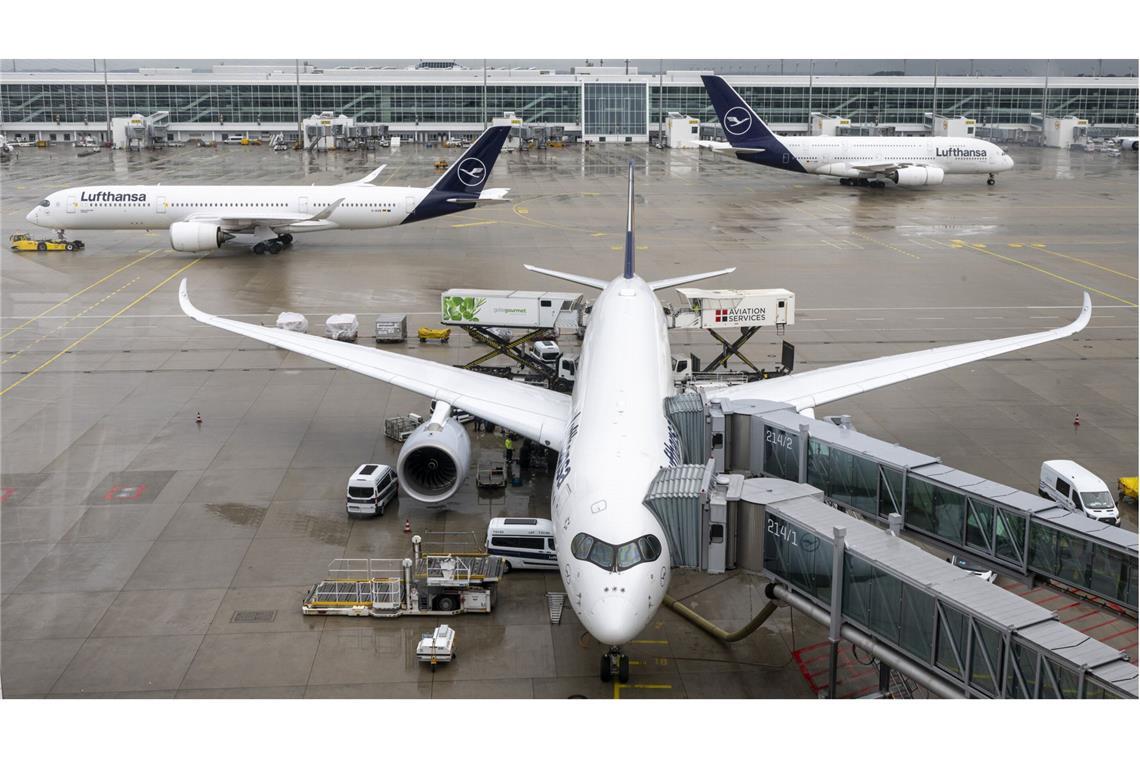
(954, 155)
(616, 443)
(95, 208)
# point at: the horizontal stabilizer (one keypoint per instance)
(486, 198)
(684, 279)
(590, 282)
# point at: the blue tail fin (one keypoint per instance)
(742, 126)
(469, 174)
(629, 229)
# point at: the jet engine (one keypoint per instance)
(197, 236)
(433, 462)
(917, 175)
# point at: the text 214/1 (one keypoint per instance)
(780, 530)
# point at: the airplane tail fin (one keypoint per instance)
(469, 174)
(742, 127)
(628, 274)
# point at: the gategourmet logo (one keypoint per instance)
(729, 316)
(462, 308)
(109, 197)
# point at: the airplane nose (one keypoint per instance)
(612, 621)
(32, 215)
(1009, 162)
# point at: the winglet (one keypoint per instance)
(188, 308)
(629, 229)
(326, 212)
(370, 178)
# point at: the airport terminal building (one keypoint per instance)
(597, 103)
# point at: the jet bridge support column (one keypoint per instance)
(835, 624)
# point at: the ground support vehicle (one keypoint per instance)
(432, 584)
(24, 242)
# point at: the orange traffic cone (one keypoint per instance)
(407, 526)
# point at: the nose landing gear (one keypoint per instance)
(991, 181)
(614, 663)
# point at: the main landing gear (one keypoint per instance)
(991, 181)
(274, 245)
(860, 182)
(615, 663)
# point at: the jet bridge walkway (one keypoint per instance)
(959, 634)
(1015, 532)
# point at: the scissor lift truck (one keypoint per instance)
(434, 584)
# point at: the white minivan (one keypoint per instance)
(370, 488)
(1075, 488)
(522, 542)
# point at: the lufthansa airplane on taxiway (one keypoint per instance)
(265, 217)
(866, 161)
(611, 433)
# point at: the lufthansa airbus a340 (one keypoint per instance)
(611, 433)
(854, 160)
(265, 217)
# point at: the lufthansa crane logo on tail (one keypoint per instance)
(472, 172)
(737, 120)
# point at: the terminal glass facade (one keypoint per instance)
(614, 109)
(411, 103)
(907, 105)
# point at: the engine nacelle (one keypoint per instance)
(197, 236)
(917, 175)
(433, 462)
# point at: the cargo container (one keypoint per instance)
(391, 328)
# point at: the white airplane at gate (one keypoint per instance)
(265, 217)
(854, 160)
(611, 433)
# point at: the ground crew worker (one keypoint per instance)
(508, 447)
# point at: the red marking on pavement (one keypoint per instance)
(1121, 633)
(5, 493)
(125, 493)
(1070, 621)
(1100, 625)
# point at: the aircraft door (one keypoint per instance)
(160, 204)
(71, 204)
(303, 205)
(409, 204)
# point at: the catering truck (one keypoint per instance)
(510, 308)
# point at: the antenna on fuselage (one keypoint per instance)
(629, 229)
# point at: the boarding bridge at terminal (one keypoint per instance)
(767, 490)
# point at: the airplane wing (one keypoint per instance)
(271, 220)
(537, 413)
(810, 389)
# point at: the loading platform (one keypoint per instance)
(387, 588)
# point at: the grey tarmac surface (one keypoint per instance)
(144, 555)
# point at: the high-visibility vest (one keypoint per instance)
(508, 444)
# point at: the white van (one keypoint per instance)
(1075, 488)
(523, 542)
(370, 488)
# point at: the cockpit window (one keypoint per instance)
(615, 558)
(45, 203)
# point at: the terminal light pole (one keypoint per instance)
(300, 120)
(107, 102)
